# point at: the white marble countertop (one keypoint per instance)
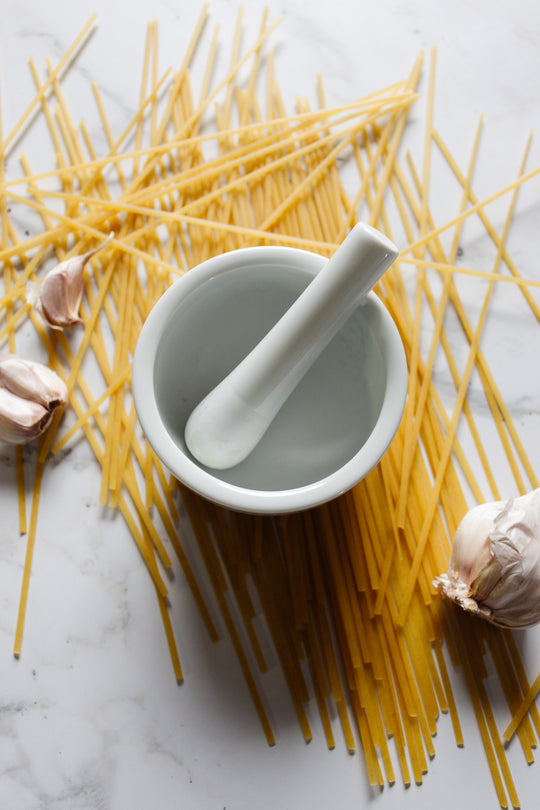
(91, 717)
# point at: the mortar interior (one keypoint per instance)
(330, 414)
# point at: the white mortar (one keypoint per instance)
(337, 423)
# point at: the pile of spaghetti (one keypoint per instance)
(345, 590)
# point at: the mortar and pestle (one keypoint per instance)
(270, 380)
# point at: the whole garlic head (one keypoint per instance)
(494, 567)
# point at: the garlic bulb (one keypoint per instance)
(30, 394)
(494, 568)
(58, 297)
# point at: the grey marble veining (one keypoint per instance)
(90, 715)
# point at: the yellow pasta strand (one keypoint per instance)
(343, 591)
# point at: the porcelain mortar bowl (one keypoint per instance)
(335, 426)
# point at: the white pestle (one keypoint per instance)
(231, 420)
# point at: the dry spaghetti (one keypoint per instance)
(345, 589)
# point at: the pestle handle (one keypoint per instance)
(230, 421)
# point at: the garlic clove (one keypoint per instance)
(61, 294)
(58, 297)
(32, 381)
(494, 567)
(21, 420)
(30, 394)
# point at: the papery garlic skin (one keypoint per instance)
(60, 294)
(58, 297)
(21, 420)
(30, 394)
(494, 567)
(32, 381)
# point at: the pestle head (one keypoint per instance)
(230, 421)
(223, 429)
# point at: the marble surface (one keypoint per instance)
(91, 717)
